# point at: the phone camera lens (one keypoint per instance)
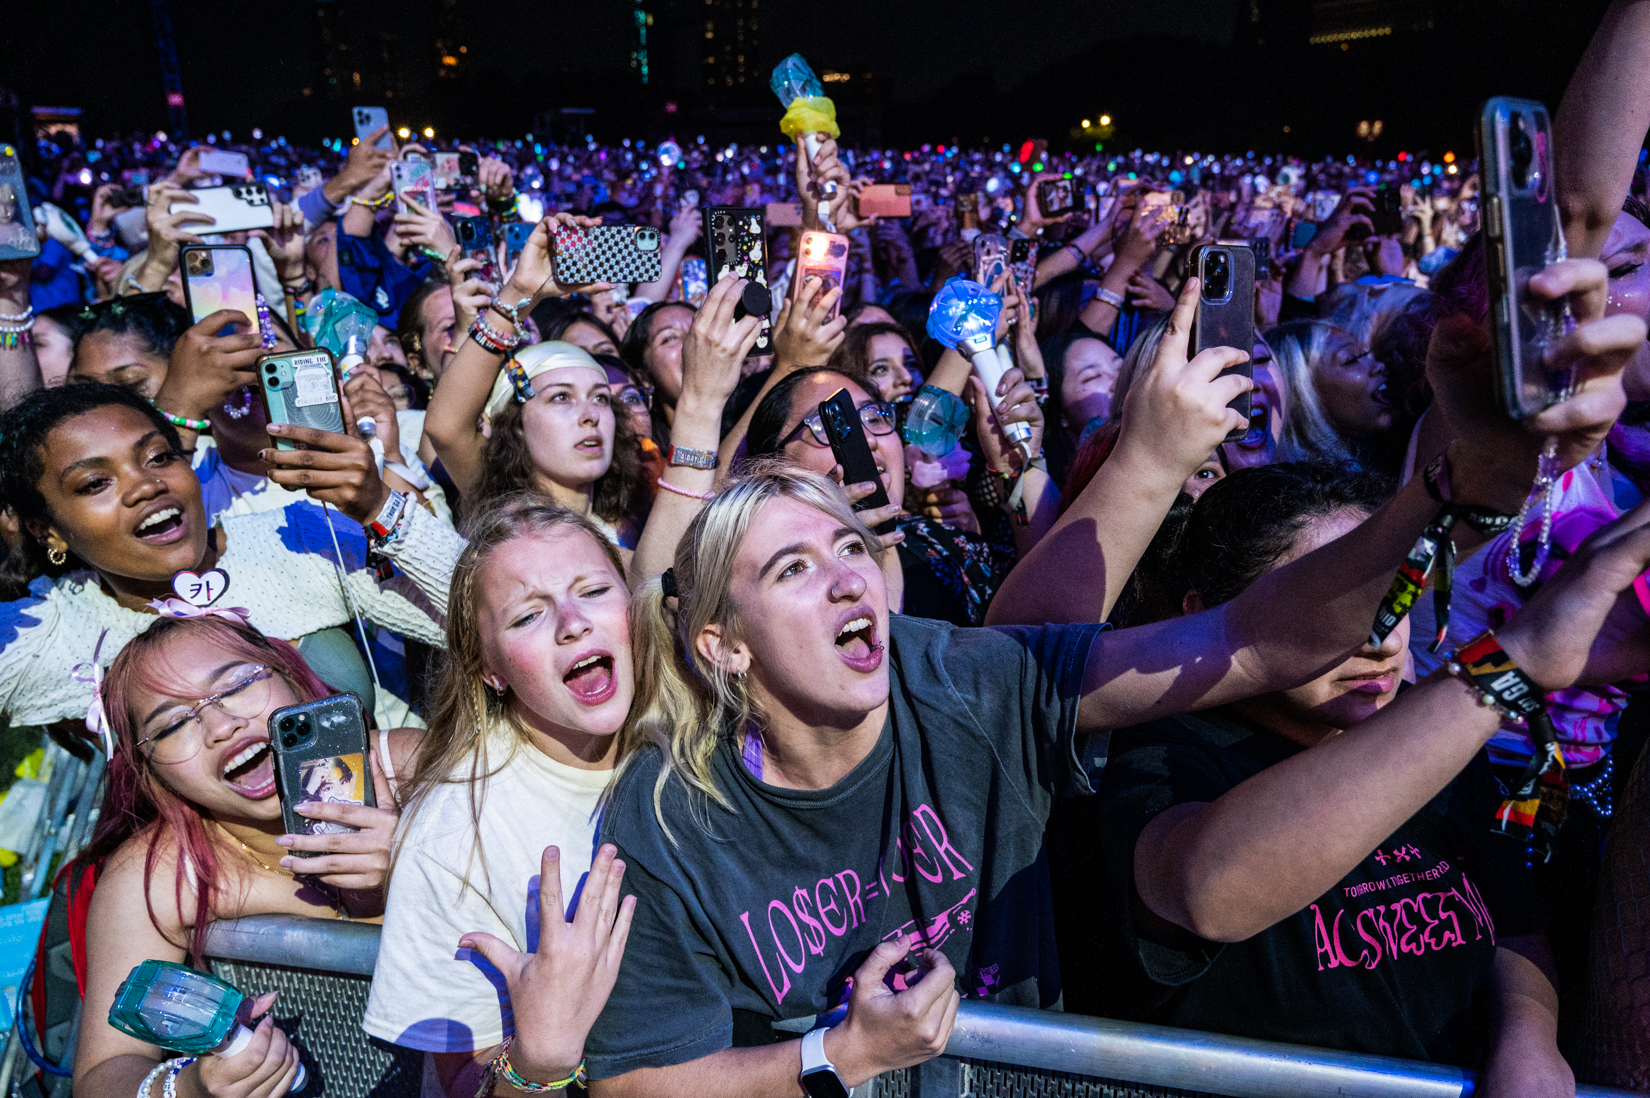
(286, 724)
(1217, 276)
(1523, 151)
(289, 740)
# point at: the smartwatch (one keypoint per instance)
(819, 1077)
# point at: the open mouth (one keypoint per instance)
(594, 442)
(1372, 684)
(1260, 419)
(1381, 397)
(251, 770)
(591, 680)
(857, 641)
(164, 525)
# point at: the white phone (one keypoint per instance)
(232, 208)
(219, 162)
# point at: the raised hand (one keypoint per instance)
(533, 277)
(1014, 403)
(265, 1068)
(418, 227)
(1176, 412)
(806, 332)
(356, 861)
(284, 241)
(716, 344)
(206, 367)
(557, 991)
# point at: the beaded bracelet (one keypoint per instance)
(489, 337)
(669, 487)
(185, 422)
(499, 1068)
(15, 333)
(378, 203)
(19, 318)
(149, 1080)
(169, 1088)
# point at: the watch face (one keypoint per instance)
(824, 1083)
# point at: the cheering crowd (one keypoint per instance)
(685, 745)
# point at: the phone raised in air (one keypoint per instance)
(320, 756)
(695, 282)
(17, 236)
(1226, 308)
(1388, 216)
(736, 240)
(223, 162)
(1056, 196)
(1523, 234)
(885, 200)
(301, 387)
(219, 276)
(825, 257)
(606, 253)
(853, 452)
(990, 258)
(369, 120)
(475, 239)
(515, 241)
(414, 179)
(232, 209)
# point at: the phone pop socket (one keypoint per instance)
(756, 300)
(964, 315)
(182, 1010)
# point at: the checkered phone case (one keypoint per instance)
(736, 241)
(606, 253)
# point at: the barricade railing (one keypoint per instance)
(323, 969)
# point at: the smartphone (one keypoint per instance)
(1303, 234)
(1388, 217)
(990, 258)
(736, 239)
(1523, 233)
(219, 162)
(219, 276)
(847, 434)
(694, 284)
(301, 387)
(824, 256)
(232, 208)
(1226, 308)
(414, 179)
(475, 237)
(1056, 196)
(515, 241)
(371, 119)
(886, 199)
(17, 237)
(1262, 248)
(320, 756)
(606, 253)
(446, 171)
(1022, 260)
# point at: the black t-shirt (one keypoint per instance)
(1394, 960)
(939, 830)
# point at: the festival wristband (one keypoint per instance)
(689, 457)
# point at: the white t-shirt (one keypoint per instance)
(426, 992)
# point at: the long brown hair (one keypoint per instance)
(465, 715)
(137, 800)
(507, 466)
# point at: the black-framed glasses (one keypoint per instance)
(878, 417)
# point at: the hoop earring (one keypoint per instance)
(57, 556)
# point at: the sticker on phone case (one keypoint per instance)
(312, 380)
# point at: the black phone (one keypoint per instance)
(1056, 196)
(847, 434)
(475, 240)
(1388, 217)
(1226, 308)
(1523, 234)
(1262, 247)
(320, 755)
(736, 239)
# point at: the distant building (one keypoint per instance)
(731, 42)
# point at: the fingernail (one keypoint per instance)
(261, 454)
(286, 862)
(283, 840)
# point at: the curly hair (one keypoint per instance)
(152, 318)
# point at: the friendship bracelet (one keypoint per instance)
(499, 1067)
(378, 203)
(489, 337)
(184, 421)
(1534, 809)
(669, 487)
(149, 1080)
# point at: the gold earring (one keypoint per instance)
(57, 556)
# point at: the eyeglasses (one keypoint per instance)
(246, 697)
(878, 416)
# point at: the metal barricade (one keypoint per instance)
(324, 968)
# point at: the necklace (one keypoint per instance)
(246, 405)
(248, 851)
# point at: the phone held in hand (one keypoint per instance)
(1388, 218)
(414, 179)
(301, 387)
(1055, 197)
(1523, 234)
(321, 757)
(606, 253)
(846, 431)
(369, 120)
(232, 209)
(475, 241)
(219, 276)
(885, 200)
(221, 162)
(695, 285)
(736, 240)
(1226, 309)
(825, 257)
(17, 235)
(990, 258)
(515, 241)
